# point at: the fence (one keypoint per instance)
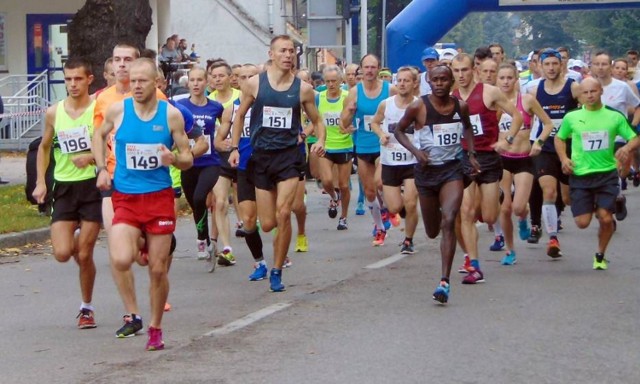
(24, 110)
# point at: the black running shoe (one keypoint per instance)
(132, 325)
(534, 237)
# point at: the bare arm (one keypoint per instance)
(415, 114)
(561, 150)
(377, 120)
(98, 143)
(534, 108)
(249, 90)
(308, 101)
(348, 110)
(222, 132)
(467, 130)
(44, 155)
(184, 159)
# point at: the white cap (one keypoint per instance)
(530, 56)
(570, 63)
(448, 54)
(578, 63)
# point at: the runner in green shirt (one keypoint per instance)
(592, 167)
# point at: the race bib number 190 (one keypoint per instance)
(143, 157)
(74, 140)
(276, 117)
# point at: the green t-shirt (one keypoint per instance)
(330, 111)
(593, 135)
(72, 137)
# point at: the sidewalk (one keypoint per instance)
(13, 168)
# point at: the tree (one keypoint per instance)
(548, 29)
(615, 31)
(101, 24)
(469, 33)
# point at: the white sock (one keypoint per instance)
(550, 218)
(374, 208)
(86, 306)
(497, 228)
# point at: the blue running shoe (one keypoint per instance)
(523, 229)
(360, 209)
(441, 294)
(375, 230)
(509, 258)
(386, 218)
(275, 280)
(260, 273)
(498, 244)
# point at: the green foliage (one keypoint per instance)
(614, 31)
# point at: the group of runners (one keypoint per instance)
(468, 139)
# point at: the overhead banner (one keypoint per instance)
(504, 3)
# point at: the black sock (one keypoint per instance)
(445, 279)
(173, 244)
(254, 242)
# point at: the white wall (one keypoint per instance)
(16, 26)
(217, 33)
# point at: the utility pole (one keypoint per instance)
(363, 28)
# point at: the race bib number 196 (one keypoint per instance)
(74, 140)
(143, 157)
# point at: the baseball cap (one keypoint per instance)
(448, 53)
(430, 53)
(578, 63)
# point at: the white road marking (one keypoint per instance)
(248, 320)
(388, 261)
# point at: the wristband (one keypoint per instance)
(100, 169)
(540, 142)
(234, 149)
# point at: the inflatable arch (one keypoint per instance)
(423, 22)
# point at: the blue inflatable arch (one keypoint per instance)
(423, 22)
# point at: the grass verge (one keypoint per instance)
(17, 213)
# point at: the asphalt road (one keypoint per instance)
(343, 319)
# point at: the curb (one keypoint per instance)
(19, 239)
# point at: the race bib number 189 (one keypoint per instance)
(447, 134)
(143, 157)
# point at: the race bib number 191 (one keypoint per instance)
(143, 157)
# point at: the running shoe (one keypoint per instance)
(621, 208)
(623, 184)
(441, 294)
(240, 229)
(226, 258)
(560, 226)
(333, 208)
(395, 220)
(474, 276)
(360, 209)
(155, 342)
(302, 245)
(86, 319)
(534, 237)
(259, 272)
(211, 259)
(509, 258)
(379, 239)
(287, 262)
(202, 249)
(636, 179)
(167, 307)
(498, 244)
(407, 247)
(599, 262)
(523, 229)
(466, 265)
(553, 248)
(386, 218)
(275, 281)
(342, 224)
(132, 325)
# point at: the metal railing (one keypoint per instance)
(24, 110)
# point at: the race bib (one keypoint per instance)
(476, 125)
(445, 135)
(556, 126)
(246, 130)
(367, 123)
(595, 141)
(398, 155)
(276, 117)
(74, 140)
(331, 118)
(505, 122)
(143, 157)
